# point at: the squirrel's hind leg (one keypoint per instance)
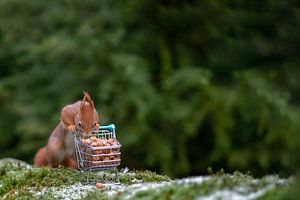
(55, 152)
(69, 162)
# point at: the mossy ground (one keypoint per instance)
(21, 181)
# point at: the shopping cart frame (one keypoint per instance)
(84, 153)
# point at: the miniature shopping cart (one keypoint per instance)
(99, 152)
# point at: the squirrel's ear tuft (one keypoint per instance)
(83, 100)
(88, 99)
(86, 95)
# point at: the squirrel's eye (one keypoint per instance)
(79, 124)
(95, 124)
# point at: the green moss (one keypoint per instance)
(144, 176)
(175, 191)
(20, 181)
(274, 194)
(128, 179)
(17, 178)
(217, 182)
(288, 192)
(98, 195)
(36, 178)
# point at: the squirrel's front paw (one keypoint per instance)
(71, 128)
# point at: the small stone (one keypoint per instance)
(99, 185)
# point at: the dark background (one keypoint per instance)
(189, 84)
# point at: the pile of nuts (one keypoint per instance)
(99, 152)
(98, 142)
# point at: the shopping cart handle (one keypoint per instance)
(110, 127)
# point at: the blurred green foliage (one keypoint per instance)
(189, 84)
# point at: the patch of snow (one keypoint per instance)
(240, 192)
(131, 190)
(275, 179)
(125, 170)
(76, 191)
(114, 188)
(196, 179)
(135, 188)
(259, 193)
(237, 193)
(15, 163)
(136, 181)
(128, 174)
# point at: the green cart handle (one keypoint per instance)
(110, 128)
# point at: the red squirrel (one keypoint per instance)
(60, 151)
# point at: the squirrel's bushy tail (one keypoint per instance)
(40, 158)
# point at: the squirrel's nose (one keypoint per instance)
(88, 133)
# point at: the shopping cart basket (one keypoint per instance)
(101, 151)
